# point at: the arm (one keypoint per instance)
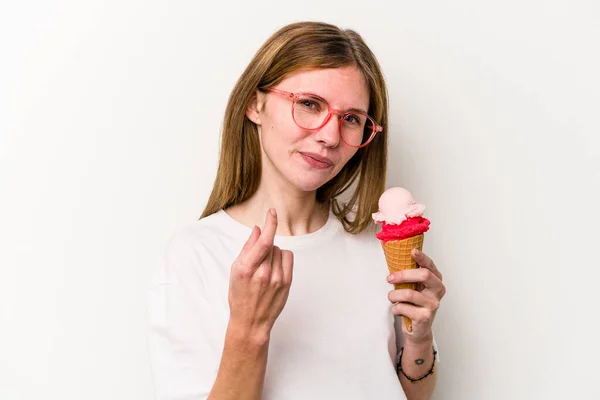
(259, 286)
(242, 369)
(183, 336)
(417, 359)
(420, 306)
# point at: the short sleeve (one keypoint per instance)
(184, 354)
(400, 338)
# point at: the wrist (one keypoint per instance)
(422, 374)
(242, 337)
(421, 343)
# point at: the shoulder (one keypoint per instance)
(204, 232)
(366, 236)
(195, 248)
(363, 239)
(190, 235)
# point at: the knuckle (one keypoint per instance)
(443, 291)
(262, 275)
(427, 315)
(242, 272)
(277, 283)
(265, 241)
(436, 304)
(397, 308)
(286, 280)
(243, 264)
(426, 274)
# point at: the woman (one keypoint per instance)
(300, 309)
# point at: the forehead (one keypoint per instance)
(342, 87)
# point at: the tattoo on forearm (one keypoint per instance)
(419, 361)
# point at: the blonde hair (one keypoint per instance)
(301, 46)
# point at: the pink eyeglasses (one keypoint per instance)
(312, 112)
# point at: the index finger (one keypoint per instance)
(270, 224)
(264, 243)
(425, 262)
(254, 235)
(417, 275)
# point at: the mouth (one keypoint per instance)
(316, 160)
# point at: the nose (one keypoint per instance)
(329, 134)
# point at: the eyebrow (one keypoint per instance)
(353, 109)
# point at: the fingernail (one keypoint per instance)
(417, 252)
(273, 212)
(390, 277)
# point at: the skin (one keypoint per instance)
(420, 306)
(285, 204)
(288, 182)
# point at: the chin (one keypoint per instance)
(309, 185)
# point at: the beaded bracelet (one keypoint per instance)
(413, 380)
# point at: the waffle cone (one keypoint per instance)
(397, 255)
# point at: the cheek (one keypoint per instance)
(280, 140)
(282, 129)
(345, 157)
(284, 139)
(348, 153)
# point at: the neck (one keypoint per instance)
(298, 213)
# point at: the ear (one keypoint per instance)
(255, 107)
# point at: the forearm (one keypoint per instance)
(417, 359)
(243, 365)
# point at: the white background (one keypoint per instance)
(110, 113)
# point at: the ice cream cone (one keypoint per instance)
(398, 257)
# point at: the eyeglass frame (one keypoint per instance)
(330, 111)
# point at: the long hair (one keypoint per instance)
(300, 46)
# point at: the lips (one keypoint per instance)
(318, 158)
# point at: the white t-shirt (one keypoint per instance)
(336, 337)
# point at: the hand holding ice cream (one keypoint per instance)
(402, 231)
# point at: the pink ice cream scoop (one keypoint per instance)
(396, 205)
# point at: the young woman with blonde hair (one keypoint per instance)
(300, 308)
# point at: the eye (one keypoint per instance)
(353, 119)
(309, 104)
